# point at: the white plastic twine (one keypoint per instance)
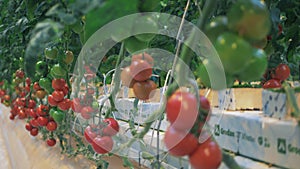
(171, 72)
(104, 81)
(106, 92)
(74, 124)
(161, 99)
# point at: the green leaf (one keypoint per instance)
(66, 18)
(44, 33)
(109, 11)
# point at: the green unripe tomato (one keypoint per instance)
(234, 52)
(58, 72)
(51, 53)
(250, 18)
(41, 67)
(215, 27)
(256, 67)
(132, 44)
(215, 73)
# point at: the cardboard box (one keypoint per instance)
(240, 99)
(265, 139)
(275, 104)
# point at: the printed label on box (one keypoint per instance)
(274, 104)
(225, 131)
(226, 99)
(284, 139)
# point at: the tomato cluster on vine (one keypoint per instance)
(137, 76)
(239, 46)
(85, 105)
(100, 135)
(278, 75)
(182, 137)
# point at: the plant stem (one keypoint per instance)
(186, 52)
(290, 93)
(116, 80)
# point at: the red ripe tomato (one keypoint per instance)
(140, 70)
(204, 103)
(42, 121)
(51, 142)
(58, 84)
(51, 101)
(182, 110)
(180, 143)
(36, 86)
(126, 78)
(34, 122)
(6, 97)
(208, 155)
(282, 72)
(20, 74)
(28, 127)
(20, 102)
(51, 126)
(76, 105)
(102, 145)
(58, 95)
(143, 56)
(272, 83)
(90, 134)
(22, 114)
(64, 105)
(42, 110)
(142, 90)
(111, 128)
(86, 112)
(34, 131)
(28, 81)
(31, 104)
(27, 89)
(65, 89)
(32, 113)
(12, 117)
(2, 93)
